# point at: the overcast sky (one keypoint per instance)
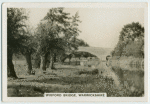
(100, 26)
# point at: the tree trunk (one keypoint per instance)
(37, 61)
(28, 61)
(51, 66)
(47, 64)
(43, 62)
(10, 66)
(70, 57)
(64, 58)
(55, 57)
(59, 58)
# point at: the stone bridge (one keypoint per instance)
(101, 53)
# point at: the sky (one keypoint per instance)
(100, 26)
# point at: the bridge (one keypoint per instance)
(101, 53)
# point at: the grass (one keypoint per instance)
(24, 91)
(88, 84)
(128, 63)
(133, 80)
(84, 81)
(92, 84)
(131, 73)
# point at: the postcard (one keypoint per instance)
(75, 52)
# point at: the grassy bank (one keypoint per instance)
(80, 79)
(127, 63)
(77, 85)
(130, 72)
(82, 84)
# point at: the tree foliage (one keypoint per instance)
(131, 31)
(49, 29)
(15, 29)
(15, 38)
(131, 41)
(45, 42)
(81, 43)
(56, 23)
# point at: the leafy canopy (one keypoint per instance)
(15, 29)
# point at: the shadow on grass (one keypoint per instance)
(93, 72)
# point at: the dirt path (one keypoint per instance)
(108, 72)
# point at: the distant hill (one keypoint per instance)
(98, 51)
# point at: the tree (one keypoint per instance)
(29, 47)
(131, 31)
(15, 29)
(71, 32)
(118, 49)
(130, 42)
(48, 32)
(56, 45)
(82, 43)
(54, 23)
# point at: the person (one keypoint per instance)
(108, 60)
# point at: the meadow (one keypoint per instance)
(74, 78)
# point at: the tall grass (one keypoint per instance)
(127, 63)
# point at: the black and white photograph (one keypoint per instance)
(75, 51)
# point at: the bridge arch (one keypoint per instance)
(101, 53)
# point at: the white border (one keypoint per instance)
(70, 5)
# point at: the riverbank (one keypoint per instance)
(74, 79)
(130, 71)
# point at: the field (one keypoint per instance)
(75, 78)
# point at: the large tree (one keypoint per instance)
(71, 32)
(48, 33)
(29, 48)
(15, 29)
(56, 22)
(131, 40)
